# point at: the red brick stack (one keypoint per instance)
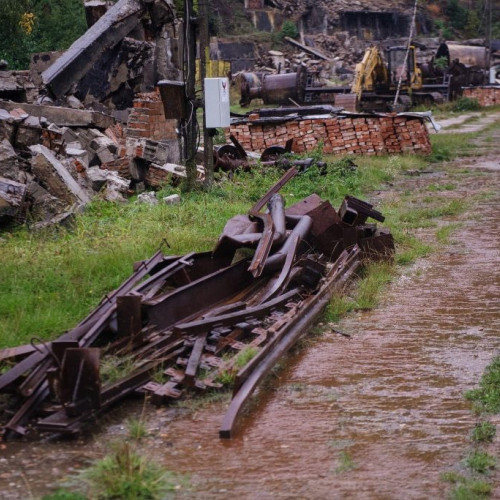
(147, 119)
(486, 96)
(356, 134)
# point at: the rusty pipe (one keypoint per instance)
(301, 230)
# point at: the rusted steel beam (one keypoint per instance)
(129, 315)
(362, 208)
(199, 295)
(60, 422)
(301, 230)
(16, 425)
(287, 176)
(18, 352)
(194, 358)
(79, 381)
(149, 287)
(195, 327)
(264, 246)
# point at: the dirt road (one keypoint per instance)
(377, 415)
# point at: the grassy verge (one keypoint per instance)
(475, 482)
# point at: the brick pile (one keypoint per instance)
(147, 119)
(354, 134)
(486, 96)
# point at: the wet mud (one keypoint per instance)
(377, 415)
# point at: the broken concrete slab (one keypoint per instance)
(96, 177)
(107, 32)
(12, 195)
(55, 177)
(29, 133)
(116, 187)
(9, 165)
(44, 206)
(64, 219)
(7, 126)
(173, 199)
(63, 117)
(148, 198)
(40, 62)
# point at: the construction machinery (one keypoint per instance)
(394, 82)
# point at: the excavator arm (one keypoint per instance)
(369, 72)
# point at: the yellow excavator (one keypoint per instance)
(377, 82)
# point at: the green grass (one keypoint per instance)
(376, 275)
(446, 147)
(480, 461)
(486, 397)
(483, 432)
(339, 305)
(136, 429)
(442, 187)
(128, 475)
(53, 279)
(244, 356)
(346, 463)
(472, 489)
(443, 234)
(113, 368)
(467, 488)
(62, 494)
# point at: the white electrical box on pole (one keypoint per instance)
(217, 112)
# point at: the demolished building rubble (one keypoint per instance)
(180, 323)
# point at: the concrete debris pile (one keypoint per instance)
(89, 121)
(196, 322)
(55, 159)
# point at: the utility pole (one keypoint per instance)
(208, 145)
(488, 39)
(189, 124)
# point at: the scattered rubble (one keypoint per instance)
(65, 156)
(180, 323)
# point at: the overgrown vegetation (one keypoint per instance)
(29, 26)
(463, 104)
(128, 475)
(483, 432)
(486, 401)
(125, 473)
(486, 397)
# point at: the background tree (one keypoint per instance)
(29, 26)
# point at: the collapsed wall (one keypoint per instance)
(485, 96)
(336, 133)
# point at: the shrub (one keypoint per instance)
(289, 29)
(127, 475)
(466, 104)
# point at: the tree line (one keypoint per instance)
(29, 26)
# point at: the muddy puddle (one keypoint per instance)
(377, 415)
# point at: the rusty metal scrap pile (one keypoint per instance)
(178, 322)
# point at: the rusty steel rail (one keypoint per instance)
(248, 379)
